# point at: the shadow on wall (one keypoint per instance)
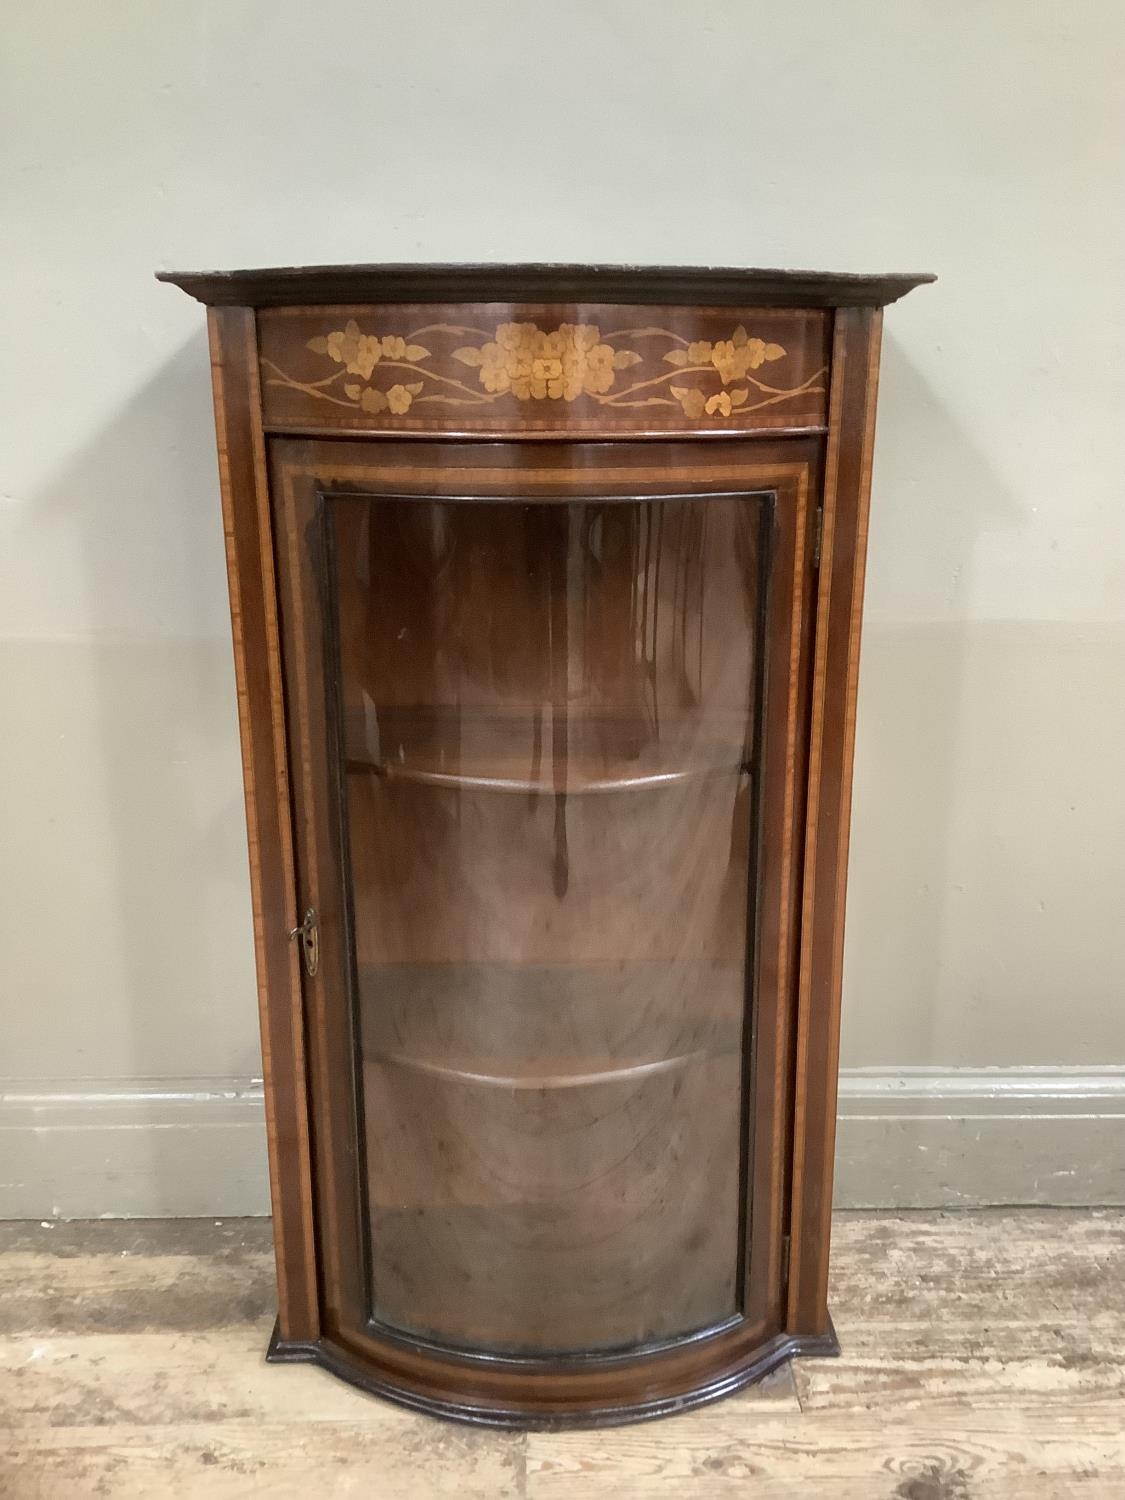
(173, 901)
(159, 982)
(912, 717)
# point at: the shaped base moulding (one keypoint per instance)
(538, 1415)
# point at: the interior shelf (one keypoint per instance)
(543, 751)
(580, 778)
(538, 1026)
(542, 1073)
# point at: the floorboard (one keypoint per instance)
(982, 1361)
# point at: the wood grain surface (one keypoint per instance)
(723, 842)
(982, 1361)
(288, 286)
(261, 717)
(847, 493)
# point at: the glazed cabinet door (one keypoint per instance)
(546, 709)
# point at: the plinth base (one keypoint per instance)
(532, 1415)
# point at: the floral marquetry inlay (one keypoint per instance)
(568, 362)
(380, 368)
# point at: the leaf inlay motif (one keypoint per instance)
(528, 363)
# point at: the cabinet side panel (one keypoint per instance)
(246, 524)
(847, 485)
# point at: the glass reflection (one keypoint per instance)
(548, 725)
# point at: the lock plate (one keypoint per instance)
(309, 937)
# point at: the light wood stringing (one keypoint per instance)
(232, 340)
(832, 742)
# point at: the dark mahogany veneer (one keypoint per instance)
(546, 587)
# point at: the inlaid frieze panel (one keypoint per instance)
(500, 369)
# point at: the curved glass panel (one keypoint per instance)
(548, 723)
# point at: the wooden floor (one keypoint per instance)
(982, 1358)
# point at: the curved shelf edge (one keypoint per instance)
(542, 1081)
(529, 785)
(528, 1418)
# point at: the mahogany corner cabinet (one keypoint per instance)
(546, 587)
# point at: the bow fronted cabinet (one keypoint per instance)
(546, 589)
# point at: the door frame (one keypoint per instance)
(302, 472)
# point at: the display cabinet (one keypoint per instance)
(546, 590)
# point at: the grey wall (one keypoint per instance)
(984, 1035)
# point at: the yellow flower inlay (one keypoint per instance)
(732, 357)
(569, 362)
(359, 353)
(524, 362)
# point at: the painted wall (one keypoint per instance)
(983, 141)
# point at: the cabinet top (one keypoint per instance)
(704, 286)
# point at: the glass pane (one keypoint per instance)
(548, 716)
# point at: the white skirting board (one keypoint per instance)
(971, 1137)
(133, 1148)
(907, 1138)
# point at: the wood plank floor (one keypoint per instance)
(983, 1357)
